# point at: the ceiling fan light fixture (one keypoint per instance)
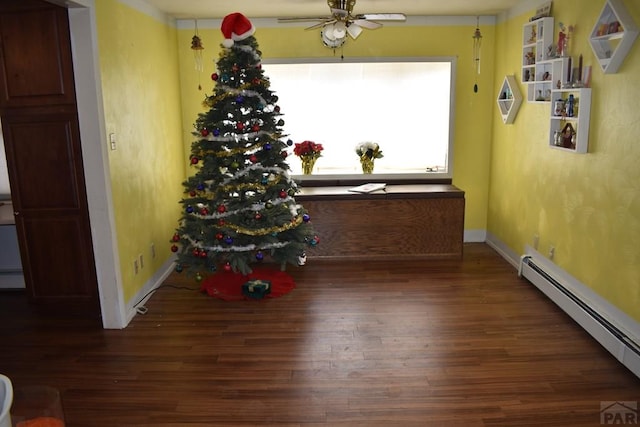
(339, 30)
(354, 30)
(329, 32)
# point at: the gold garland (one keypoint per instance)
(264, 231)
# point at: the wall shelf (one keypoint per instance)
(509, 99)
(537, 38)
(569, 129)
(613, 35)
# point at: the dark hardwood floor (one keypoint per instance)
(410, 343)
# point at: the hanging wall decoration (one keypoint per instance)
(197, 47)
(477, 43)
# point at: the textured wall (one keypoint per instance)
(140, 84)
(586, 206)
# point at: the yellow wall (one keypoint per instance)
(586, 206)
(142, 108)
(472, 117)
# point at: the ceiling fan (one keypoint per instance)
(342, 21)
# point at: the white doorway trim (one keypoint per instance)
(84, 45)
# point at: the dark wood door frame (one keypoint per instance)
(95, 157)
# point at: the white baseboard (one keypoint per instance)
(474, 236)
(153, 283)
(617, 332)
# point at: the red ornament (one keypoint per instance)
(204, 211)
(240, 126)
(193, 193)
(256, 81)
(203, 254)
(194, 160)
(196, 252)
(258, 215)
(175, 238)
(277, 109)
(253, 158)
(255, 127)
(204, 132)
(221, 222)
(284, 154)
(174, 248)
(227, 267)
(235, 68)
(222, 208)
(219, 236)
(283, 194)
(215, 77)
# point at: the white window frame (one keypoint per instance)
(429, 175)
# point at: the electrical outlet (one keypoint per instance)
(536, 240)
(141, 261)
(552, 252)
(135, 266)
(153, 250)
(112, 140)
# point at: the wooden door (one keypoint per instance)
(42, 143)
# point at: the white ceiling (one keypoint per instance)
(212, 9)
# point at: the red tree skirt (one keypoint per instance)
(227, 285)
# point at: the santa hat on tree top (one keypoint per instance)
(236, 26)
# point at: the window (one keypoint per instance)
(404, 105)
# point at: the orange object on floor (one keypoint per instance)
(41, 422)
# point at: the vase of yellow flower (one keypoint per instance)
(309, 152)
(368, 152)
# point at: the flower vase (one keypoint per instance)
(367, 164)
(308, 162)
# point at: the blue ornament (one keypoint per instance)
(289, 142)
(267, 146)
(200, 187)
(189, 209)
(259, 256)
(228, 240)
(264, 180)
(216, 132)
(240, 99)
(306, 217)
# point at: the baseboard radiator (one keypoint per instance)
(613, 329)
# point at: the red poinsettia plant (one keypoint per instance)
(307, 149)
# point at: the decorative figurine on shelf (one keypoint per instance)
(533, 37)
(570, 104)
(563, 39)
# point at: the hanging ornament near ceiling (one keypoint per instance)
(197, 48)
(477, 44)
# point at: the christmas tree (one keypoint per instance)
(239, 206)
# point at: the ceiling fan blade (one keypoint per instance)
(354, 30)
(303, 19)
(321, 24)
(370, 25)
(383, 16)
